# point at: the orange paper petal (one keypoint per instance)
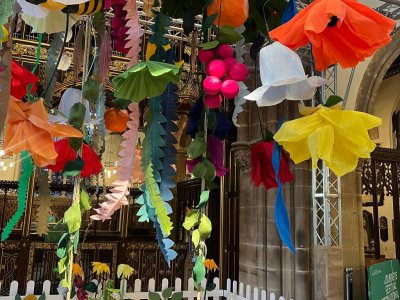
(28, 129)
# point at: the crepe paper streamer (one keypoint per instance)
(6, 10)
(105, 56)
(5, 33)
(134, 38)
(44, 208)
(23, 185)
(21, 78)
(156, 201)
(289, 12)
(338, 137)
(159, 29)
(77, 59)
(137, 174)
(125, 165)
(28, 129)
(166, 245)
(283, 77)
(340, 31)
(280, 212)
(262, 171)
(146, 79)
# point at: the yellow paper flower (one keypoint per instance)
(77, 270)
(100, 268)
(30, 297)
(338, 137)
(210, 265)
(124, 271)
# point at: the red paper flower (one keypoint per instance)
(92, 164)
(262, 170)
(20, 79)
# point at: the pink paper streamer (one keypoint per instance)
(125, 169)
(134, 38)
(105, 56)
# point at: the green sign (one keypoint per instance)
(384, 281)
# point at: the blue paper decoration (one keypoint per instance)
(289, 12)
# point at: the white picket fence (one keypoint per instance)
(234, 291)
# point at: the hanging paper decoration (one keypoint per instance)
(70, 97)
(115, 119)
(119, 27)
(28, 129)
(56, 46)
(262, 170)
(65, 62)
(280, 212)
(338, 137)
(282, 76)
(23, 184)
(105, 56)
(289, 12)
(125, 166)
(77, 59)
(134, 38)
(340, 31)
(146, 79)
(6, 10)
(33, 10)
(21, 78)
(52, 22)
(5, 34)
(229, 13)
(44, 208)
(92, 164)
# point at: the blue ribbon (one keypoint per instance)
(289, 12)
(280, 212)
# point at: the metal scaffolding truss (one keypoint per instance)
(327, 220)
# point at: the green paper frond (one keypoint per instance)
(5, 12)
(156, 201)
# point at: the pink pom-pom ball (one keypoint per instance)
(230, 89)
(224, 51)
(212, 85)
(116, 23)
(213, 101)
(238, 72)
(205, 56)
(230, 61)
(216, 68)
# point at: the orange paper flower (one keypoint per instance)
(28, 129)
(340, 31)
(210, 265)
(77, 270)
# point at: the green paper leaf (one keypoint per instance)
(205, 227)
(207, 23)
(199, 271)
(154, 296)
(211, 172)
(75, 143)
(61, 265)
(145, 79)
(191, 219)
(74, 167)
(333, 100)
(91, 287)
(18, 297)
(204, 196)
(85, 200)
(91, 90)
(73, 218)
(195, 237)
(228, 35)
(77, 115)
(62, 243)
(211, 185)
(64, 283)
(76, 241)
(199, 170)
(177, 296)
(42, 297)
(210, 287)
(197, 147)
(209, 45)
(167, 293)
(122, 103)
(61, 252)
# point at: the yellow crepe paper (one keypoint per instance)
(5, 31)
(338, 137)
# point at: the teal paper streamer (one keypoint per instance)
(23, 185)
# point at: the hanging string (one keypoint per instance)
(258, 109)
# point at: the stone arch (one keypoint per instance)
(374, 74)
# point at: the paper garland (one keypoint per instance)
(44, 208)
(126, 163)
(134, 38)
(23, 185)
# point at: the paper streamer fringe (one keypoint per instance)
(134, 38)
(23, 185)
